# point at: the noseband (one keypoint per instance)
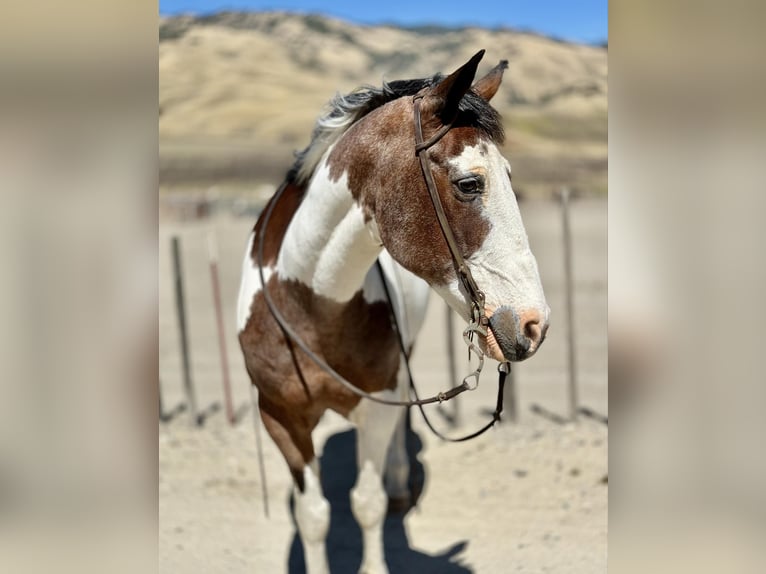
(478, 324)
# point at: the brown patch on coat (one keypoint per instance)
(282, 214)
(384, 176)
(293, 390)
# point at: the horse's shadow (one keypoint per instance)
(344, 540)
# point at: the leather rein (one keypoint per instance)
(478, 324)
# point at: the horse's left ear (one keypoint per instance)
(488, 85)
(446, 95)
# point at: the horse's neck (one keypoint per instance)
(328, 245)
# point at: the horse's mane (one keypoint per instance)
(345, 110)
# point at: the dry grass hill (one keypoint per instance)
(239, 92)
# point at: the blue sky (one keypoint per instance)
(577, 20)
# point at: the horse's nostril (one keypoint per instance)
(517, 334)
(532, 331)
(531, 326)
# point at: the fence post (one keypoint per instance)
(452, 368)
(213, 259)
(181, 307)
(565, 196)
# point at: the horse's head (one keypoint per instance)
(473, 180)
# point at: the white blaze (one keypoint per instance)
(504, 266)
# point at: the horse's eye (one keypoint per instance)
(471, 185)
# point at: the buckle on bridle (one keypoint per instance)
(474, 327)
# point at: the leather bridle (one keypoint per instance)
(479, 321)
(478, 324)
(462, 270)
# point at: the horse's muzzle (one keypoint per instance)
(518, 335)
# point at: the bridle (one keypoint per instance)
(462, 270)
(479, 321)
(478, 324)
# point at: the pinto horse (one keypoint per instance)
(355, 195)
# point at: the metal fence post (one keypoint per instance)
(181, 307)
(213, 258)
(565, 196)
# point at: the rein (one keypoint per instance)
(478, 324)
(503, 370)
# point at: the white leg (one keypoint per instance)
(368, 503)
(312, 513)
(375, 426)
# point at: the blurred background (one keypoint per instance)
(240, 91)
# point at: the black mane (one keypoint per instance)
(345, 110)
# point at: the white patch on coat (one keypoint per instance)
(328, 245)
(504, 266)
(250, 285)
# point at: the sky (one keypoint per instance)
(575, 20)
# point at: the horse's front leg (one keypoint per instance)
(312, 510)
(369, 502)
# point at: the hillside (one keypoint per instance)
(240, 92)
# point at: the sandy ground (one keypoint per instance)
(525, 497)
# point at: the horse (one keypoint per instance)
(359, 193)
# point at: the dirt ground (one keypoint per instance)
(525, 497)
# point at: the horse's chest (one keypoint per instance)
(356, 339)
(360, 343)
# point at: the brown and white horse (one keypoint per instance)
(357, 194)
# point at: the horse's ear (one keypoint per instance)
(488, 85)
(446, 95)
